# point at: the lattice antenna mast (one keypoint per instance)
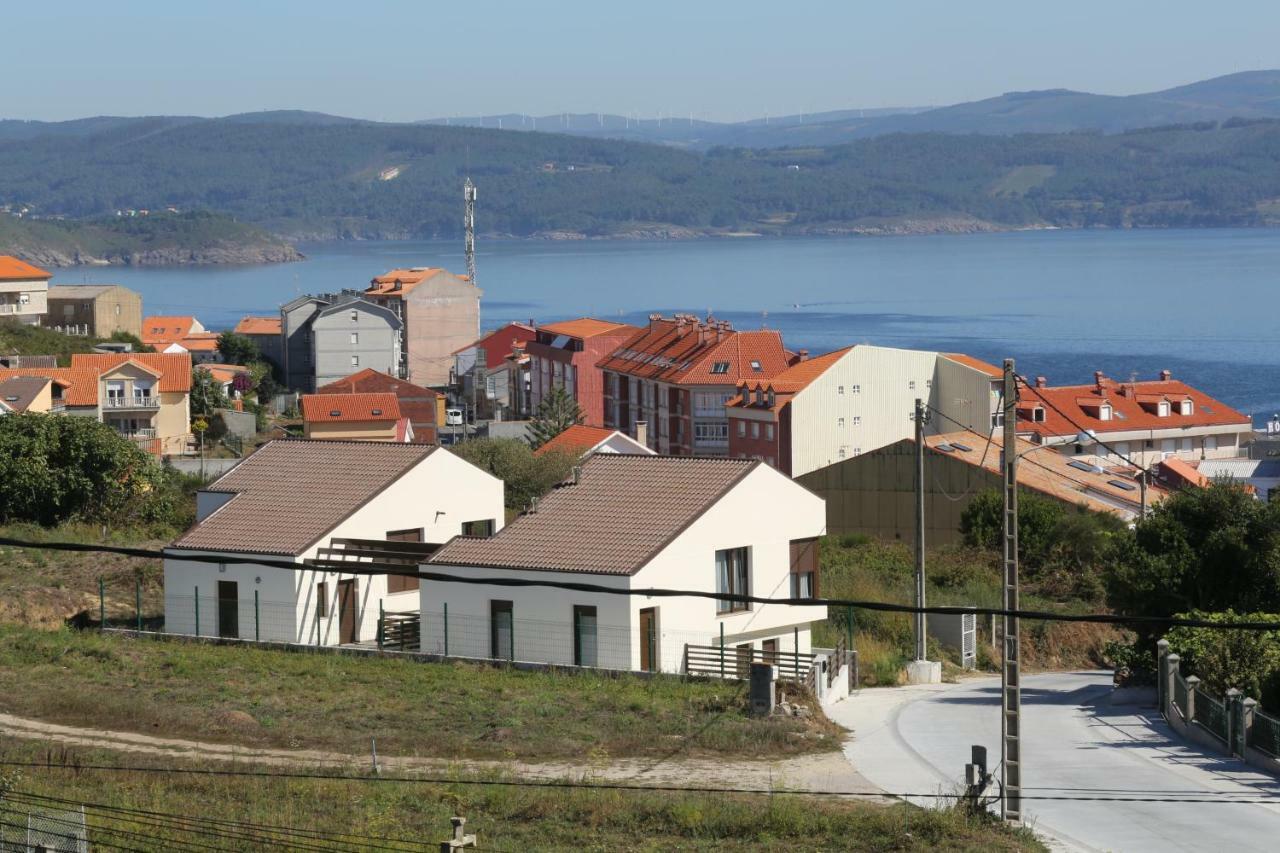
(469, 226)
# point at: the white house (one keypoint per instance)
(636, 522)
(582, 441)
(297, 500)
(24, 291)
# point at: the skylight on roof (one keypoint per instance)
(377, 411)
(963, 447)
(1118, 415)
(755, 365)
(1121, 484)
(1085, 466)
(945, 448)
(720, 367)
(1208, 410)
(334, 413)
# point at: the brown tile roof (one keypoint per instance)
(1079, 403)
(686, 351)
(81, 384)
(623, 510)
(174, 368)
(17, 393)
(418, 404)
(587, 327)
(976, 363)
(12, 269)
(321, 408)
(258, 326)
(576, 440)
(1047, 471)
(291, 492)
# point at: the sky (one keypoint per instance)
(401, 60)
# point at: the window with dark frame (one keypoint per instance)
(804, 568)
(502, 638)
(732, 578)
(585, 637)
(322, 599)
(481, 528)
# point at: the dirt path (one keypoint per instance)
(821, 772)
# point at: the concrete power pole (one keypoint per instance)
(1011, 656)
(921, 670)
(469, 226)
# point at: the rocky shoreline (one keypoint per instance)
(210, 255)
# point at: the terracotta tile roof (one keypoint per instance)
(1049, 472)
(223, 372)
(81, 384)
(499, 344)
(1180, 472)
(258, 326)
(17, 393)
(622, 512)
(788, 383)
(174, 368)
(685, 351)
(12, 269)
(587, 327)
(320, 408)
(418, 404)
(200, 342)
(166, 330)
(1081, 402)
(386, 284)
(290, 493)
(976, 363)
(576, 440)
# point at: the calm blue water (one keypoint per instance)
(1201, 303)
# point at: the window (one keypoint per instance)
(355, 337)
(322, 599)
(502, 635)
(1210, 443)
(355, 315)
(755, 430)
(742, 429)
(840, 423)
(928, 383)
(857, 451)
(732, 579)
(839, 389)
(911, 385)
(857, 420)
(804, 568)
(142, 389)
(115, 390)
(482, 528)
(857, 389)
(584, 636)
(840, 453)
(755, 365)
(1185, 407)
(720, 367)
(711, 432)
(768, 431)
(355, 361)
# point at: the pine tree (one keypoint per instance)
(555, 414)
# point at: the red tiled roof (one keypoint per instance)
(81, 384)
(498, 345)
(418, 404)
(1079, 403)
(346, 408)
(1175, 469)
(200, 342)
(587, 327)
(684, 351)
(174, 368)
(12, 269)
(385, 284)
(258, 326)
(576, 440)
(976, 363)
(166, 330)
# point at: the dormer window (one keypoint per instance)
(1095, 407)
(772, 398)
(1104, 412)
(759, 397)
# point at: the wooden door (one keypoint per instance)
(228, 609)
(347, 611)
(649, 639)
(769, 651)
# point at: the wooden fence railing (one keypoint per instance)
(732, 662)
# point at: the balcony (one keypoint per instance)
(7, 308)
(119, 403)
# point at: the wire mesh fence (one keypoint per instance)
(1264, 734)
(33, 830)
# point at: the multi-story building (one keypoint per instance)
(567, 355)
(440, 313)
(855, 400)
(675, 377)
(98, 310)
(160, 332)
(483, 370)
(265, 332)
(325, 338)
(23, 291)
(355, 417)
(424, 407)
(1145, 422)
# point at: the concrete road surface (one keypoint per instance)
(1076, 744)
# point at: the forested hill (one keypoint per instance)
(302, 175)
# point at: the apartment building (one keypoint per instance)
(326, 338)
(566, 355)
(97, 310)
(856, 400)
(483, 372)
(23, 291)
(355, 417)
(440, 313)
(265, 332)
(667, 385)
(1144, 421)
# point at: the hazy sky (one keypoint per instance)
(392, 60)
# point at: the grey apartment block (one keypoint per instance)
(326, 338)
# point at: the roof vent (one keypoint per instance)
(334, 413)
(577, 474)
(533, 506)
(377, 411)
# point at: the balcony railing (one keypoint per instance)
(133, 402)
(12, 308)
(139, 434)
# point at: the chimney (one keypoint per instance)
(577, 474)
(533, 506)
(1166, 375)
(1100, 380)
(1041, 382)
(653, 321)
(642, 432)
(804, 355)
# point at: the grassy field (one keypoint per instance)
(380, 814)
(858, 568)
(261, 697)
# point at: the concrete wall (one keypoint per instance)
(30, 312)
(376, 345)
(117, 309)
(442, 315)
(295, 331)
(353, 431)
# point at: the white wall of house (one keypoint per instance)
(439, 495)
(966, 396)
(24, 301)
(763, 513)
(1147, 447)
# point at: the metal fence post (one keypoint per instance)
(795, 647)
(137, 600)
(102, 604)
(197, 601)
(722, 650)
(257, 619)
(848, 627)
(446, 629)
(512, 638)
(382, 622)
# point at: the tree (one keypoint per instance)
(527, 475)
(555, 414)
(238, 349)
(206, 393)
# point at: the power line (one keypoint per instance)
(1196, 796)
(371, 568)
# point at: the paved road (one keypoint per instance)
(1076, 743)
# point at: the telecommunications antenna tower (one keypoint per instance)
(469, 226)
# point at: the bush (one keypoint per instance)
(1247, 660)
(511, 460)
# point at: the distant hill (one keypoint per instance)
(309, 177)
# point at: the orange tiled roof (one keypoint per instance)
(1175, 468)
(576, 440)
(789, 382)
(200, 342)
(12, 269)
(174, 368)
(258, 326)
(81, 384)
(321, 408)
(1081, 403)
(497, 345)
(166, 330)
(587, 327)
(408, 279)
(976, 363)
(223, 372)
(685, 351)
(418, 404)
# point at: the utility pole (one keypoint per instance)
(1011, 657)
(921, 670)
(1142, 486)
